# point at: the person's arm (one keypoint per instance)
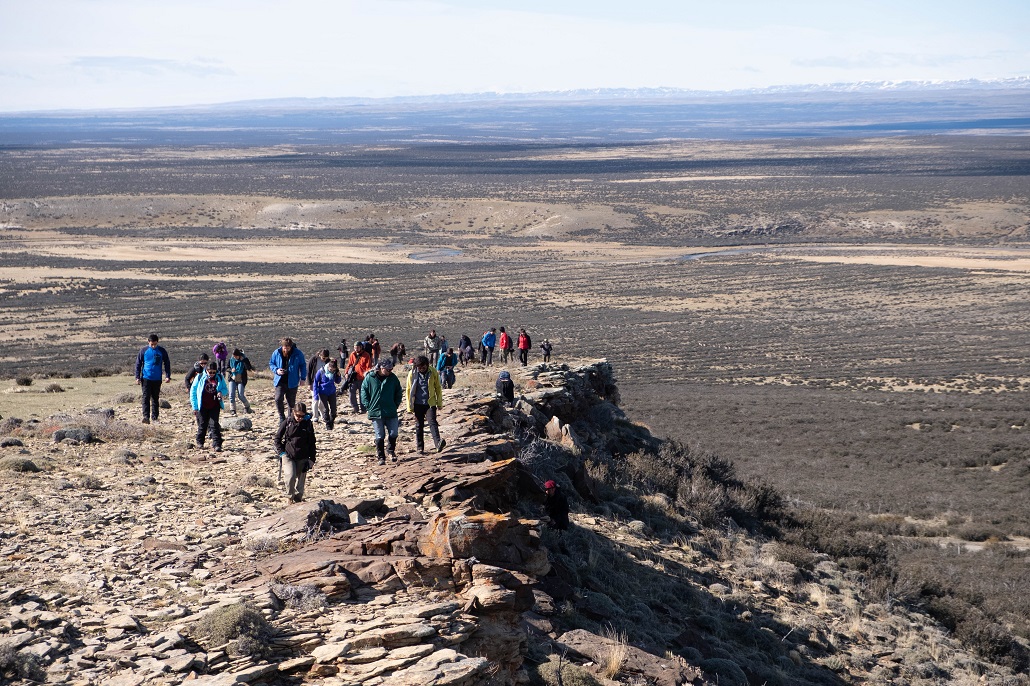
(398, 395)
(273, 362)
(278, 440)
(167, 364)
(139, 365)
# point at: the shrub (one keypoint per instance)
(95, 372)
(571, 674)
(18, 464)
(8, 425)
(53, 388)
(306, 597)
(23, 381)
(14, 664)
(980, 533)
(240, 625)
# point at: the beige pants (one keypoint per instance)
(294, 478)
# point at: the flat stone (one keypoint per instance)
(330, 651)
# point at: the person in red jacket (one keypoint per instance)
(524, 345)
(358, 364)
(507, 347)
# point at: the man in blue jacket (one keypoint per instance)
(488, 343)
(288, 368)
(149, 364)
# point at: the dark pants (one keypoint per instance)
(447, 377)
(421, 413)
(151, 398)
(209, 419)
(523, 356)
(488, 355)
(289, 395)
(328, 403)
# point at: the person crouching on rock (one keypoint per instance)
(206, 396)
(425, 397)
(381, 395)
(505, 388)
(295, 443)
(556, 505)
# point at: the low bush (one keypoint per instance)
(240, 625)
(23, 381)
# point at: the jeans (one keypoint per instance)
(209, 418)
(447, 377)
(355, 396)
(238, 390)
(289, 395)
(151, 398)
(383, 426)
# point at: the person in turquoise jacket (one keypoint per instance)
(289, 369)
(206, 397)
(381, 395)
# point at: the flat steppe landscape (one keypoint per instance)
(842, 318)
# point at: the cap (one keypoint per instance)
(386, 363)
(550, 484)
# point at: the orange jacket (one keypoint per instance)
(360, 362)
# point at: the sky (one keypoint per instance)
(95, 54)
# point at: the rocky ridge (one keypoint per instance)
(129, 557)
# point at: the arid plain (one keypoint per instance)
(844, 318)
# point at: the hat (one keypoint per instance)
(550, 484)
(504, 375)
(386, 363)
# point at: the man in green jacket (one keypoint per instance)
(381, 395)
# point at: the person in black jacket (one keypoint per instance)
(505, 388)
(295, 443)
(557, 506)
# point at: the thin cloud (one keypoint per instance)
(881, 60)
(102, 66)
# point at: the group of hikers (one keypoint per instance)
(365, 374)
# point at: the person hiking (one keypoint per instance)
(505, 388)
(198, 367)
(317, 362)
(487, 344)
(545, 349)
(507, 347)
(376, 349)
(431, 345)
(221, 352)
(465, 352)
(342, 351)
(358, 364)
(556, 505)
(524, 344)
(151, 361)
(424, 397)
(287, 366)
(206, 398)
(381, 394)
(397, 352)
(324, 385)
(239, 365)
(295, 443)
(448, 361)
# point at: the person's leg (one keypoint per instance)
(280, 402)
(316, 411)
(290, 476)
(490, 356)
(353, 389)
(302, 479)
(232, 396)
(328, 407)
(434, 430)
(201, 428)
(155, 399)
(379, 427)
(216, 428)
(241, 389)
(392, 426)
(291, 397)
(420, 428)
(144, 385)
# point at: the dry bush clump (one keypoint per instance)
(304, 597)
(560, 672)
(15, 665)
(259, 480)
(53, 388)
(615, 652)
(240, 625)
(23, 381)
(13, 463)
(9, 425)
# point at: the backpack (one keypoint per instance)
(367, 347)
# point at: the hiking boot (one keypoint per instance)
(441, 444)
(247, 409)
(380, 451)
(146, 420)
(393, 448)
(218, 448)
